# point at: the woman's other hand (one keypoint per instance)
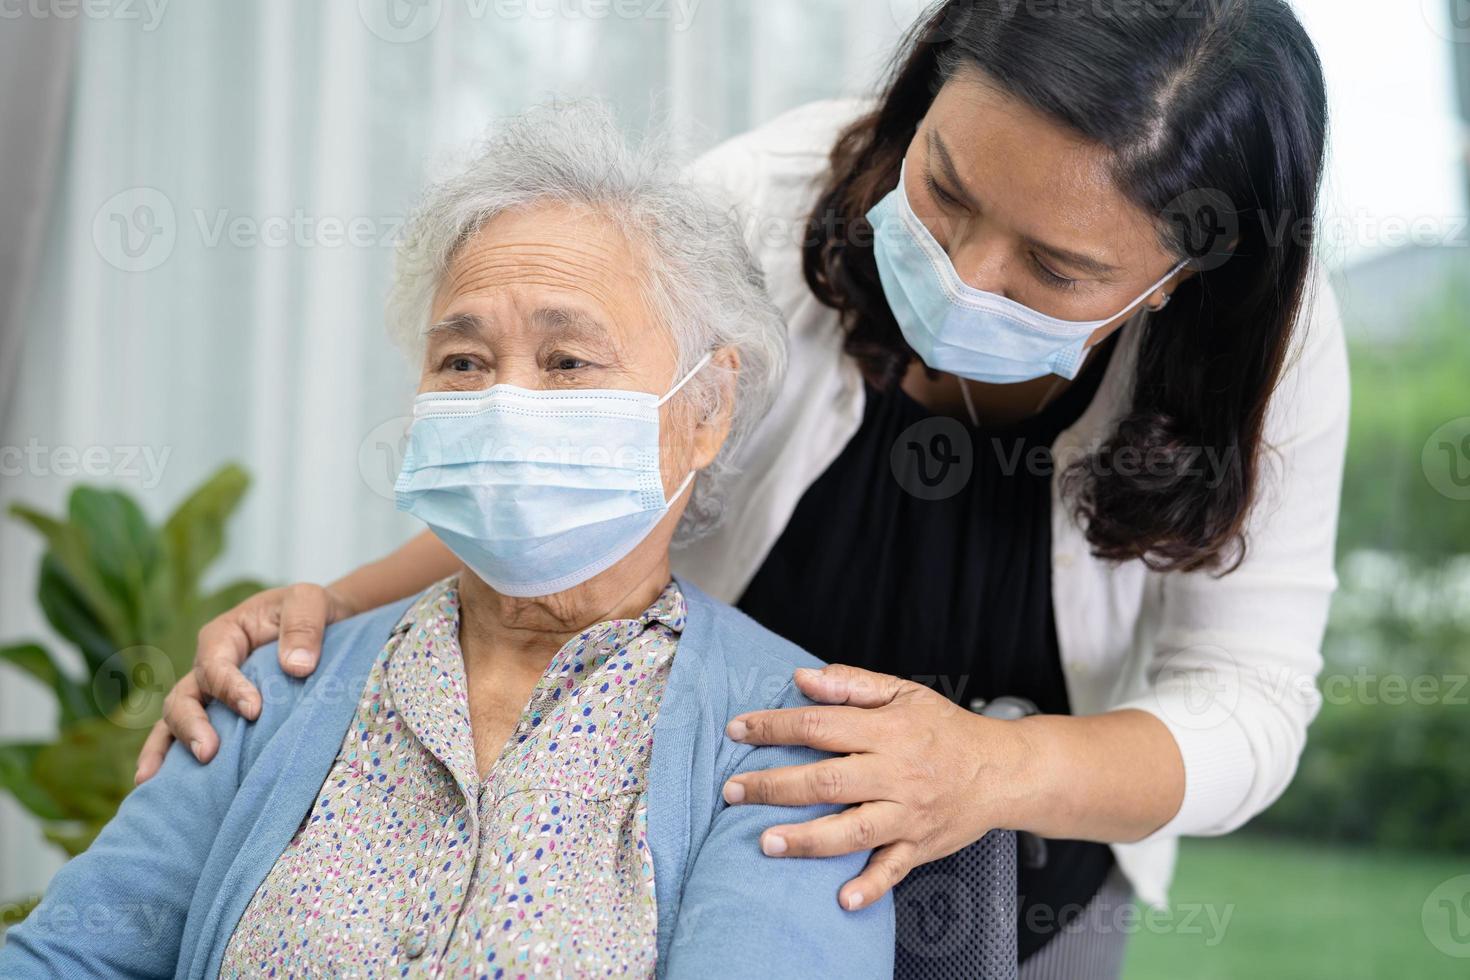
(296, 614)
(924, 776)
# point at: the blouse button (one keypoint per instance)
(415, 943)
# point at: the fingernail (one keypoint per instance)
(734, 792)
(737, 730)
(773, 845)
(196, 747)
(243, 706)
(854, 901)
(298, 658)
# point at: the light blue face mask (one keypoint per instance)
(961, 330)
(537, 491)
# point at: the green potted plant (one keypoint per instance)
(128, 595)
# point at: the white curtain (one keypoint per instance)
(234, 173)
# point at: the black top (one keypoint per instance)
(924, 551)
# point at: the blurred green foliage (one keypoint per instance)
(1385, 762)
(128, 595)
(1403, 391)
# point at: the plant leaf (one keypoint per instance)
(68, 565)
(14, 912)
(124, 548)
(194, 534)
(73, 616)
(17, 775)
(36, 661)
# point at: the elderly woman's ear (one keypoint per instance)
(714, 428)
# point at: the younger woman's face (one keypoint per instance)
(1028, 209)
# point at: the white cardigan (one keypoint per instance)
(1229, 663)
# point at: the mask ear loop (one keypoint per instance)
(672, 392)
(688, 377)
(1153, 289)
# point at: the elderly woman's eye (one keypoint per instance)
(565, 362)
(461, 364)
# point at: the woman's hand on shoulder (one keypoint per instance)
(297, 615)
(921, 776)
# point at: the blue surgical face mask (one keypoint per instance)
(961, 330)
(537, 491)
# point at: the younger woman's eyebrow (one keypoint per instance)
(940, 152)
(1085, 264)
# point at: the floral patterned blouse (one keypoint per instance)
(410, 864)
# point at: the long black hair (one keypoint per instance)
(1214, 113)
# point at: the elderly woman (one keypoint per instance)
(519, 770)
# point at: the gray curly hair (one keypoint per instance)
(700, 278)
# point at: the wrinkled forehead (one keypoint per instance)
(554, 268)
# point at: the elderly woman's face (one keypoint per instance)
(550, 298)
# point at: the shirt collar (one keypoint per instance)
(669, 609)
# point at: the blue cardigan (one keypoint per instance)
(161, 890)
